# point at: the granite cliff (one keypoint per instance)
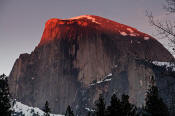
(79, 58)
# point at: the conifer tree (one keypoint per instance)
(127, 108)
(100, 107)
(154, 104)
(89, 114)
(46, 109)
(4, 97)
(69, 111)
(114, 109)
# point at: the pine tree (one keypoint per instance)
(69, 111)
(46, 109)
(89, 114)
(154, 104)
(114, 109)
(4, 97)
(127, 108)
(100, 107)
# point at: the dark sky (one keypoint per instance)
(22, 21)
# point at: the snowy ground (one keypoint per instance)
(166, 64)
(24, 110)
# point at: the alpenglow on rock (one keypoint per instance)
(79, 58)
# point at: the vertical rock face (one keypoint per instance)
(79, 58)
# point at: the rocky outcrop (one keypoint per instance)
(79, 58)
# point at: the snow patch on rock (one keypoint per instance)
(90, 110)
(110, 74)
(132, 34)
(123, 33)
(87, 17)
(166, 64)
(130, 30)
(25, 110)
(107, 78)
(146, 38)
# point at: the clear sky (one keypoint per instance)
(22, 21)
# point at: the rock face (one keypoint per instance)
(79, 58)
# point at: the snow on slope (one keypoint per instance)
(24, 110)
(89, 109)
(87, 17)
(106, 79)
(166, 64)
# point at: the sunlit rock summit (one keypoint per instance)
(79, 58)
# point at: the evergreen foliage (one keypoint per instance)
(69, 111)
(5, 106)
(89, 114)
(100, 107)
(115, 107)
(154, 104)
(128, 109)
(47, 109)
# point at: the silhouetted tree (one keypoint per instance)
(172, 103)
(4, 97)
(89, 114)
(154, 104)
(121, 107)
(100, 107)
(115, 107)
(69, 112)
(46, 109)
(127, 108)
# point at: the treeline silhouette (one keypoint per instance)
(154, 105)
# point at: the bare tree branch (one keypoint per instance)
(170, 7)
(165, 30)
